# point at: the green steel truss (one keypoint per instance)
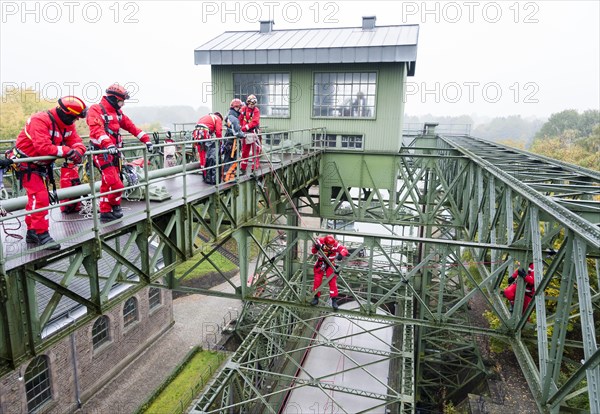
(458, 214)
(459, 218)
(83, 274)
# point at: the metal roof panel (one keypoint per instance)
(337, 45)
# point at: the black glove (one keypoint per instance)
(74, 156)
(336, 270)
(112, 149)
(318, 246)
(522, 272)
(149, 146)
(5, 162)
(339, 256)
(511, 280)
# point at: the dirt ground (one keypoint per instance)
(509, 392)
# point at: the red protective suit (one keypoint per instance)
(250, 122)
(511, 291)
(41, 136)
(105, 122)
(209, 151)
(69, 177)
(321, 268)
(210, 124)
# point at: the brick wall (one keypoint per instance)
(95, 367)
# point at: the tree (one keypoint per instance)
(16, 106)
(571, 137)
(570, 120)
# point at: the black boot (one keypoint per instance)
(117, 211)
(334, 304)
(71, 208)
(32, 237)
(110, 216)
(315, 301)
(45, 239)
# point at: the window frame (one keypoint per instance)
(46, 393)
(106, 338)
(127, 320)
(241, 91)
(335, 138)
(153, 305)
(345, 97)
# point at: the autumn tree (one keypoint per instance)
(571, 137)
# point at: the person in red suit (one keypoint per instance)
(105, 120)
(47, 133)
(250, 122)
(511, 291)
(328, 247)
(209, 126)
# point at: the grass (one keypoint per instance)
(205, 267)
(180, 392)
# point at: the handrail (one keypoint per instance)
(147, 178)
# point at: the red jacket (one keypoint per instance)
(331, 251)
(116, 120)
(36, 140)
(213, 123)
(529, 281)
(249, 118)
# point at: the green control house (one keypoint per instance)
(348, 80)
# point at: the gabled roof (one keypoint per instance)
(311, 46)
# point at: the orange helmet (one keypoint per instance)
(236, 102)
(329, 240)
(251, 99)
(118, 91)
(72, 105)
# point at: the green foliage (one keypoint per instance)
(183, 388)
(571, 137)
(449, 408)
(16, 106)
(570, 120)
(223, 264)
(496, 345)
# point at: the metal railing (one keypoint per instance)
(152, 172)
(413, 129)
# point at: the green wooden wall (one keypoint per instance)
(381, 134)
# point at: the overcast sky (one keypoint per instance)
(484, 58)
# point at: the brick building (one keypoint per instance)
(72, 370)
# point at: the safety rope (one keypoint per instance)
(9, 230)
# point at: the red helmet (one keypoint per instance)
(236, 102)
(72, 105)
(329, 240)
(118, 91)
(251, 99)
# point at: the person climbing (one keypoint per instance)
(328, 247)
(511, 291)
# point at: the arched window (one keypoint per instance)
(37, 383)
(100, 331)
(154, 297)
(130, 312)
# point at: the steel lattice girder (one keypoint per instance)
(82, 274)
(495, 219)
